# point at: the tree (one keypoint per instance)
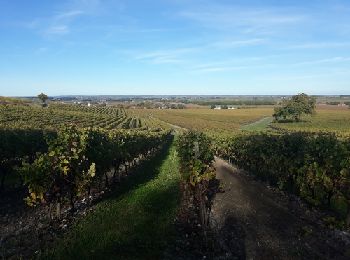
(294, 108)
(43, 98)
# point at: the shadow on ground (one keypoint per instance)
(262, 223)
(134, 222)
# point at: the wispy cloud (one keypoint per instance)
(68, 14)
(62, 20)
(238, 43)
(247, 20)
(220, 68)
(318, 45)
(228, 64)
(323, 61)
(57, 30)
(226, 68)
(262, 64)
(165, 56)
(286, 78)
(60, 23)
(183, 55)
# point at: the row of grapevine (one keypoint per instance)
(105, 110)
(57, 167)
(132, 122)
(314, 166)
(17, 145)
(196, 157)
(55, 115)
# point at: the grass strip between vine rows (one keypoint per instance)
(135, 222)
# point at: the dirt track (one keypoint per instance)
(256, 222)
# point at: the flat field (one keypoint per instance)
(325, 119)
(208, 120)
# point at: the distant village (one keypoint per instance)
(183, 102)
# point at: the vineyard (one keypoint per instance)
(61, 159)
(330, 120)
(26, 129)
(228, 122)
(174, 130)
(57, 115)
(308, 158)
(313, 166)
(209, 120)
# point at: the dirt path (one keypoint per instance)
(256, 222)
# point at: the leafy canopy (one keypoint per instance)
(295, 107)
(43, 97)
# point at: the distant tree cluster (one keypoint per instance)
(333, 103)
(295, 107)
(233, 102)
(164, 105)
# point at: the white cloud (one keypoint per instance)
(86, 6)
(248, 20)
(68, 14)
(318, 45)
(184, 55)
(165, 56)
(62, 21)
(322, 61)
(220, 68)
(238, 43)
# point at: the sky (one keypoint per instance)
(203, 47)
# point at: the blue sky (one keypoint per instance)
(174, 47)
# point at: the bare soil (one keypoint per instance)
(255, 221)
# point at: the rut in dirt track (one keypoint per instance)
(255, 222)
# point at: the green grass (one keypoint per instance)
(135, 223)
(260, 125)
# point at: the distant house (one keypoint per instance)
(217, 107)
(89, 104)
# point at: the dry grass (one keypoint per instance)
(229, 121)
(333, 120)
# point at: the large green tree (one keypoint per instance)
(295, 107)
